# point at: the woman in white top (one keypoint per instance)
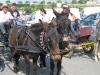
(44, 17)
(5, 16)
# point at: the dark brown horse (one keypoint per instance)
(62, 24)
(26, 41)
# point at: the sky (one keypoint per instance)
(33, 0)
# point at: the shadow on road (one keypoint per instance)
(39, 71)
(81, 53)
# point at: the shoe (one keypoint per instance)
(77, 36)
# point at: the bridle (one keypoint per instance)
(62, 19)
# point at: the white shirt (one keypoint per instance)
(4, 17)
(45, 18)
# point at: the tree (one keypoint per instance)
(65, 3)
(7, 1)
(20, 2)
(49, 2)
(27, 2)
(74, 1)
(82, 1)
(42, 2)
(58, 1)
(35, 2)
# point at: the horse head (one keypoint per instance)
(63, 24)
(52, 40)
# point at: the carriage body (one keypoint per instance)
(83, 40)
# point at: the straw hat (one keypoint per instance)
(64, 6)
(4, 6)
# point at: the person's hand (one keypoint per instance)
(9, 20)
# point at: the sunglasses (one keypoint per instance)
(64, 8)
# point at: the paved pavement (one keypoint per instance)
(79, 64)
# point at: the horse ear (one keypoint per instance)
(54, 21)
(55, 12)
(44, 24)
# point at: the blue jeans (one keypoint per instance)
(74, 23)
(2, 28)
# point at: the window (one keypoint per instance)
(90, 20)
(31, 17)
(91, 17)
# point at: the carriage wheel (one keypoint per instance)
(88, 49)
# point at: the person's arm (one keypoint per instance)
(10, 17)
(18, 15)
(73, 17)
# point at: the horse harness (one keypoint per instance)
(42, 47)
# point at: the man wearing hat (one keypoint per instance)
(5, 16)
(13, 11)
(66, 10)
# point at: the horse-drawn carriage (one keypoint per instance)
(83, 40)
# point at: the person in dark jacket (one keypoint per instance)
(13, 11)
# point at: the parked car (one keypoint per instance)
(91, 20)
(89, 10)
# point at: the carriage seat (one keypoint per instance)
(84, 32)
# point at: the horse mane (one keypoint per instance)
(36, 25)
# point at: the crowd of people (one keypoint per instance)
(7, 15)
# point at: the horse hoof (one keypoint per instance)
(96, 60)
(43, 67)
(16, 70)
(19, 72)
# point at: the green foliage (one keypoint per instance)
(49, 2)
(27, 2)
(82, 1)
(0, 4)
(8, 2)
(20, 2)
(58, 1)
(29, 8)
(35, 2)
(74, 2)
(42, 2)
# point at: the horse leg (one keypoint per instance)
(16, 63)
(96, 51)
(52, 65)
(99, 51)
(27, 64)
(35, 65)
(42, 61)
(59, 67)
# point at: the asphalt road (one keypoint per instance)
(79, 64)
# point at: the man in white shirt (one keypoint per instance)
(5, 16)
